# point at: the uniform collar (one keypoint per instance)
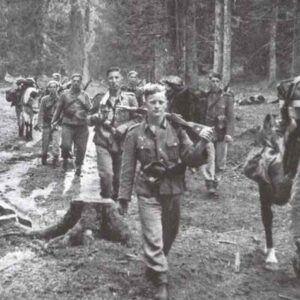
(163, 125)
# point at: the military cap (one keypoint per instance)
(133, 73)
(51, 82)
(20, 81)
(172, 80)
(216, 75)
(76, 75)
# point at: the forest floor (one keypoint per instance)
(201, 263)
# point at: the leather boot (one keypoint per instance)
(65, 164)
(55, 161)
(44, 159)
(162, 292)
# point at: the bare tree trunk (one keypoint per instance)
(273, 33)
(191, 72)
(226, 72)
(295, 69)
(218, 45)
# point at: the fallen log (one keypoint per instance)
(84, 221)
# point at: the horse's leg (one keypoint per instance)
(265, 192)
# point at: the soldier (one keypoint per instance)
(162, 149)
(46, 112)
(111, 124)
(72, 111)
(218, 113)
(135, 85)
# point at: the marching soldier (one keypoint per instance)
(111, 124)
(72, 112)
(47, 108)
(163, 149)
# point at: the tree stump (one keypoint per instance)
(84, 221)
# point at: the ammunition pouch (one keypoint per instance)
(156, 170)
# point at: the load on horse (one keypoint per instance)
(25, 98)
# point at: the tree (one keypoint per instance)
(296, 40)
(273, 31)
(226, 70)
(218, 42)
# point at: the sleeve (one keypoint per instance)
(190, 154)
(58, 109)
(230, 113)
(128, 167)
(41, 113)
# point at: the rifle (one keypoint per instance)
(193, 129)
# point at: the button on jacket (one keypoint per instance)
(169, 144)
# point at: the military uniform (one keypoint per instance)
(73, 107)
(218, 113)
(158, 193)
(111, 124)
(46, 112)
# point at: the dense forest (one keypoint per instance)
(243, 40)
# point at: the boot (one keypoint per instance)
(162, 292)
(44, 159)
(210, 186)
(78, 171)
(55, 161)
(296, 259)
(65, 164)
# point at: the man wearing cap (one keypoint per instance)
(218, 113)
(135, 85)
(111, 123)
(46, 112)
(72, 110)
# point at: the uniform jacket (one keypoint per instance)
(47, 109)
(74, 108)
(107, 118)
(170, 144)
(219, 105)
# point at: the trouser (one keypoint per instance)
(109, 168)
(295, 203)
(79, 135)
(221, 155)
(48, 137)
(160, 223)
(18, 114)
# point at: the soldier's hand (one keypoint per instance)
(207, 133)
(228, 138)
(37, 127)
(123, 206)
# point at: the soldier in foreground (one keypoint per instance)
(163, 149)
(111, 124)
(47, 108)
(72, 112)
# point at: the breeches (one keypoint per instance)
(160, 223)
(77, 135)
(109, 168)
(47, 137)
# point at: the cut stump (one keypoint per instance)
(84, 221)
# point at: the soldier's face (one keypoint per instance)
(156, 104)
(133, 80)
(114, 79)
(76, 82)
(52, 89)
(215, 84)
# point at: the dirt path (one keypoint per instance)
(201, 267)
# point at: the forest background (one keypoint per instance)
(246, 40)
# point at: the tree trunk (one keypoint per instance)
(295, 69)
(226, 71)
(191, 72)
(272, 53)
(218, 44)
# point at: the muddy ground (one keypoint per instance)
(201, 264)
